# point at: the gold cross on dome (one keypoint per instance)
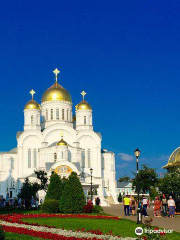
(83, 93)
(32, 92)
(56, 72)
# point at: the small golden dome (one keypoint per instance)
(56, 92)
(32, 105)
(62, 143)
(83, 105)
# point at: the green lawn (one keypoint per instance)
(124, 227)
(20, 211)
(15, 236)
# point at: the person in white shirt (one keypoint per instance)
(171, 206)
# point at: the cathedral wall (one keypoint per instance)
(29, 159)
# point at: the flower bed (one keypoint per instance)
(14, 223)
(16, 218)
(46, 233)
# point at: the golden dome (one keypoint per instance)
(56, 92)
(83, 105)
(32, 105)
(174, 159)
(62, 143)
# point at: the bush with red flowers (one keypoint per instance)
(88, 208)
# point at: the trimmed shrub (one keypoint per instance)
(2, 233)
(50, 206)
(55, 188)
(120, 198)
(73, 198)
(88, 208)
(97, 209)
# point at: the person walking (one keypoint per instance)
(157, 207)
(171, 206)
(133, 205)
(164, 205)
(145, 204)
(126, 204)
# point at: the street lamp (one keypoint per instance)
(139, 216)
(91, 170)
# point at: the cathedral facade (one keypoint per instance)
(54, 140)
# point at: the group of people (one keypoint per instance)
(6, 202)
(130, 205)
(164, 205)
(161, 206)
(9, 203)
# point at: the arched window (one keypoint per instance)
(12, 163)
(51, 114)
(32, 119)
(57, 114)
(67, 115)
(62, 154)
(84, 120)
(35, 158)
(29, 158)
(55, 157)
(46, 114)
(70, 115)
(89, 157)
(62, 114)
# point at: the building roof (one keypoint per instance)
(123, 184)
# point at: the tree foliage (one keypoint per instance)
(170, 183)
(124, 179)
(73, 199)
(54, 191)
(153, 193)
(147, 178)
(28, 190)
(42, 176)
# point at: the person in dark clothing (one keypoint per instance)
(97, 201)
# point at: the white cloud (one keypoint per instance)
(126, 157)
(123, 165)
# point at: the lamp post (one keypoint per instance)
(91, 170)
(139, 216)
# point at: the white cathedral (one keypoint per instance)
(53, 140)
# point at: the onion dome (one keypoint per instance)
(56, 92)
(174, 159)
(62, 142)
(83, 105)
(32, 104)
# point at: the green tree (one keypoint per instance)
(120, 198)
(153, 193)
(73, 199)
(147, 178)
(124, 179)
(170, 183)
(28, 190)
(54, 191)
(42, 176)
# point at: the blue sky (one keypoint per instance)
(124, 54)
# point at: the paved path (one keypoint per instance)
(167, 223)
